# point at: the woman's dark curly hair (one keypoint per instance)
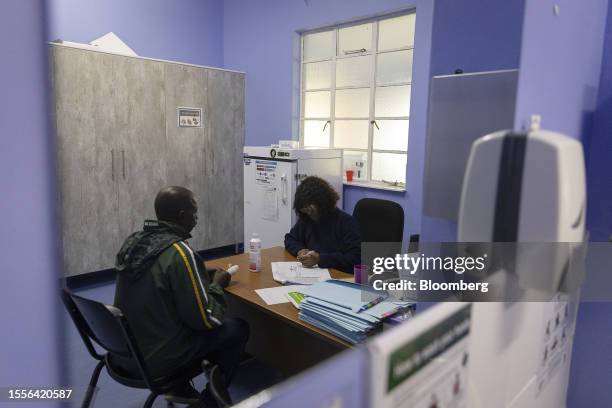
(315, 190)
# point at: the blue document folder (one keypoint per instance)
(345, 309)
(342, 293)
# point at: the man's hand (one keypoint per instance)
(302, 252)
(222, 278)
(310, 259)
(211, 273)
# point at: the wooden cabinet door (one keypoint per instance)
(87, 162)
(141, 140)
(223, 157)
(186, 88)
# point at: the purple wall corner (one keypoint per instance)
(29, 261)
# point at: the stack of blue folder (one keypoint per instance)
(345, 309)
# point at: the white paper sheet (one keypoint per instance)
(270, 204)
(294, 272)
(278, 294)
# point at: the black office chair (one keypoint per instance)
(380, 220)
(107, 326)
(217, 387)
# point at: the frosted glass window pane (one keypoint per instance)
(317, 75)
(319, 46)
(391, 135)
(351, 134)
(317, 104)
(314, 135)
(389, 167)
(397, 32)
(394, 67)
(353, 103)
(356, 161)
(392, 101)
(353, 71)
(354, 38)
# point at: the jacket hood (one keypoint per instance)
(142, 248)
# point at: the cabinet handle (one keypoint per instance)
(359, 51)
(113, 164)
(123, 161)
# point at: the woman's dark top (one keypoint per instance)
(335, 237)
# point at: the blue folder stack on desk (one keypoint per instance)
(345, 309)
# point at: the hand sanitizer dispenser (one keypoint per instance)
(529, 189)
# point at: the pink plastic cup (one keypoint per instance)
(361, 273)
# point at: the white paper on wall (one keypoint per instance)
(270, 204)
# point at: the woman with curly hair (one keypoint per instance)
(323, 234)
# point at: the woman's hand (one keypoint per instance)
(310, 259)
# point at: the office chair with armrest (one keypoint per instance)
(217, 387)
(107, 326)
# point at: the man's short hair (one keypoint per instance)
(170, 200)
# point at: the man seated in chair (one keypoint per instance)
(323, 235)
(175, 305)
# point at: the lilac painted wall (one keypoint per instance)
(599, 151)
(259, 39)
(472, 35)
(592, 361)
(561, 61)
(28, 261)
(186, 31)
(476, 35)
(591, 372)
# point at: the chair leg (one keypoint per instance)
(92, 384)
(150, 400)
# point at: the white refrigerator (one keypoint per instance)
(271, 176)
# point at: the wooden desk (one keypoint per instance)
(278, 336)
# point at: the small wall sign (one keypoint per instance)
(189, 117)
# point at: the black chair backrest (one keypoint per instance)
(379, 220)
(102, 323)
(108, 327)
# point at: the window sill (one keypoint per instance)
(375, 185)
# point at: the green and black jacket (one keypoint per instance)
(166, 294)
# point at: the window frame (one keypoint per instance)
(373, 54)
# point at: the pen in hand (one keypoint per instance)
(300, 257)
(309, 259)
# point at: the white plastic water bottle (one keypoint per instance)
(255, 253)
